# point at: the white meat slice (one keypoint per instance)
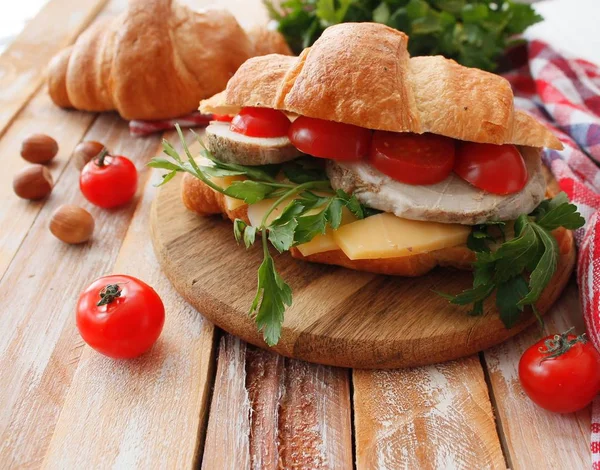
(450, 201)
(231, 147)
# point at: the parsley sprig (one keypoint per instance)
(473, 32)
(518, 269)
(311, 206)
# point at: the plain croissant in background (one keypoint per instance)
(156, 60)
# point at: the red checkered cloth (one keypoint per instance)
(195, 119)
(564, 93)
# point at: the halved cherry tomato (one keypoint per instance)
(498, 169)
(260, 122)
(120, 316)
(561, 373)
(222, 117)
(108, 181)
(329, 139)
(412, 158)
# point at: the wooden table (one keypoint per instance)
(201, 396)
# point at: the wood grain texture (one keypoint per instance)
(39, 343)
(149, 412)
(39, 115)
(268, 412)
(67, 128)
(23, 63)
(530, 434)
(434, 417)
(338, 317)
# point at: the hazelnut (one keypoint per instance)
(39, 148)
(33, 182)
(72, 224)
(85, 151)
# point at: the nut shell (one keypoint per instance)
(72, 224)
(33, 182)
(85, 151)
(39, 148)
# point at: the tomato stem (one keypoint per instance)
(100, 159)
(108, 294)
(560, 344)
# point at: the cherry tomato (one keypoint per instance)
(561, 373)
(498, 169)
(260, 122)
(222, 117)
(120, 316)
(329, 139)
(108, 181)
(412, 158)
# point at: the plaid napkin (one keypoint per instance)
(195, 119)
(564, 93)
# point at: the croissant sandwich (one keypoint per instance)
(355, 154)
(156, 60)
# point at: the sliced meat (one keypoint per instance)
(450, 201)
(231, 147)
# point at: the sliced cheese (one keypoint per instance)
(325, 242)
(387, 236)
(257, 211)
(224, 182)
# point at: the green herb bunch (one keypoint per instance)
(519, 269)
(473, 32)
(311, 207)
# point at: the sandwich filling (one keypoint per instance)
(358, 155)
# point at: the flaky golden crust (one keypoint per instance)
(361, 73)
(266, 41)
(156, 60)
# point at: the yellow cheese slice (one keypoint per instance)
(224, 182)
(325, 242)
(387, 236)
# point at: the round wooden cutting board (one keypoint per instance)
(339, 316)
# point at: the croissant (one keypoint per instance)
(156, 60)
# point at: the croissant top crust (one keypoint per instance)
(362, 74)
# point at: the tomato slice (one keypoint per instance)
(412, 158)
(222, 117)
(260, 122)
(329, 139)
(497, 169)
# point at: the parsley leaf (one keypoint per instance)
(474, 33)
(508, 297)
(533, 251)
(272, 297)
(313, 207)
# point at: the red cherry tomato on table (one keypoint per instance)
(260, 122)
(222, 117)
(120, 316)
(329, 139)
(412, 158)
(498, 169)
(108, 181)
(561, 373)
